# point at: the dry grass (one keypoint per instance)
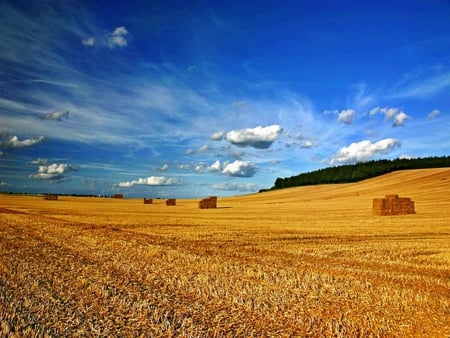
(309, 261)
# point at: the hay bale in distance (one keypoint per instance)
(50, 197)
(119, 196)
(148, 200)
(171, 201)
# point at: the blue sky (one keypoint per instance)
(189, 99)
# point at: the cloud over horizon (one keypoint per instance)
(364, 151)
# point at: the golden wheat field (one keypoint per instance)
(300, 262)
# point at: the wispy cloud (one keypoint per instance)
(14, 142)
(420, 84)
(226, 186)
(118, 38)
(56, 115)
(433, 114)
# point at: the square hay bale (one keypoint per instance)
(208, 203)
(171, 201)
(119, 196)
(148, 200)
(392, 204)
(50, 197)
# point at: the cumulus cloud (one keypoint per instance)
(151, 180)
(217, 136)
(364, 150)
(240, 169)
(395, 115)
(346, 116)
(399, 119)
(14, 142)
(56, 115)
(53, 171)
(215, 167)
(118, 38)
(259, 137)
(433, 114)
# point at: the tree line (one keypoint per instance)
(359, 171)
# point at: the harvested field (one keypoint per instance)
(308, 261)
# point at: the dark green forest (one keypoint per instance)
(359, 171)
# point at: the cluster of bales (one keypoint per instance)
(206, 203)
(390, 205)
(393, 205)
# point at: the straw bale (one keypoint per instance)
(171, 201)
(208, 203)
(148, 200)
(392, 204)
(118, 196)
(50, 197)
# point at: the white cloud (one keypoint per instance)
(14, 142)
(56, 115)
(118, 38)
(203, 149)
(40, 161)
(200, 150)
(215, 167)
(90, 41)
(399, 119)
(259, 137)
(433, 114)
(52, 172)
(237, 187)
(164, 167)
(151, 180)
(395, 115)
(346, 116)
(364, 150)
(240, 169)
(217, 136)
